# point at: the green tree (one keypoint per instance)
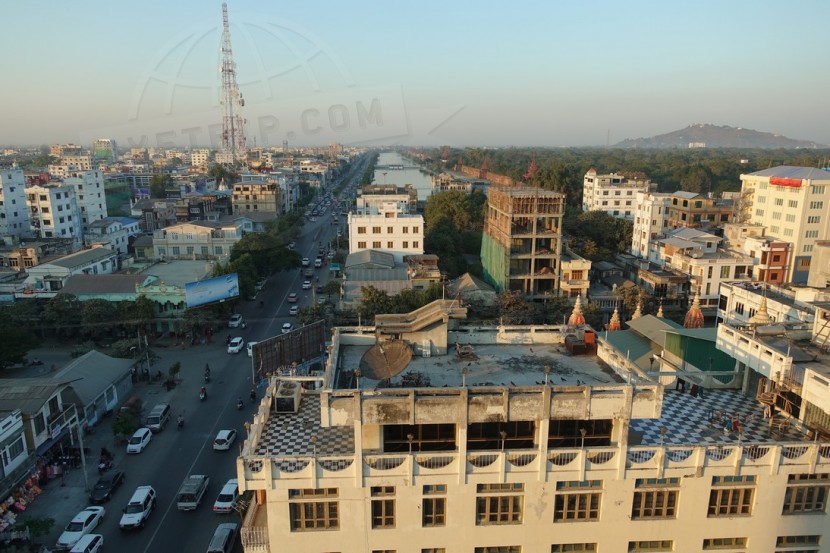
(514, 309)
(373, 302)
(98, 316)
(17, 339)
(138, 314)
(159, 183)
(63, 312)
(224, 176)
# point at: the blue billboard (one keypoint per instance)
(211, 290)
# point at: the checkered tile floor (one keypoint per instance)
(290, 434)
(695, 420)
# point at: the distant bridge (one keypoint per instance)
(396, 167)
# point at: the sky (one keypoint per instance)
(426, 73)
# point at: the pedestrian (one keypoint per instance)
(767, 411)
(680, 385)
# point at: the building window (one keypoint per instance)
(40, 423)
(811, 234)
(361, 230)
(808, 248)
(653, 545)
(405, 245)
(711, 544)
(813, 219)
(792, 203)
(759, 212)
(376, 245)
(376, 230)
(776, 216)
(789, 232)
(806, 493)
(817, 189)
(217, 250)
(797, 544)
(415, 244)
(311, 509)
(415, 230)
(724, 271)
(500, 549)
(361, 245)
(790, 218)
(655, 498)
(390, 244)
(434, 506)
(433, 550)
(500, 505)
(775, 229)
(779, 201)
(572, 547)
(175, 250)
(816, 205)
(383, 510)
(730, 496)
(405, 230)
(577, 501)
(389, 230)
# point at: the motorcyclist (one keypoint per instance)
(253, 394)
(203, 392)
(228, 340)
(239, 403)
(207, 373)
(180, 421)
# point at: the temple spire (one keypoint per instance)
(694, 318)
(660, 311)
(614, 323)
(577, 318)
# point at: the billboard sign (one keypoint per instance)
(211, 290)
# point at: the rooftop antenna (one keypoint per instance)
(233, 131)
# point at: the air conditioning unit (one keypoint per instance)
(287, 399)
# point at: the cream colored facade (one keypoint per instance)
(792, 203)
(575, 271)
(388, 230)
(262, 197)
(502, 460)
(82, 162)
(199, 158)
(54, 212)
(196, 241)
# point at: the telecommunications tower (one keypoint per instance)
(233, 129)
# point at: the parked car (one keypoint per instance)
(287, 327)
(292, 297)
(105, 486)
(224, 439)
(228, 497)
(139, 440)
(295, 310)
(82, 524)
(91, 543)
(235, 321)
(236, 345)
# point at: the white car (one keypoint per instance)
(295, 310)
(235, 321)
(307, 285)
(236, 345)
(227, 497)
(91, 543)
(224, 439)
(287, 327)
(84, 523)
(139, 440)
(250, 348)
(306, 262)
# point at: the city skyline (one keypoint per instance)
(428, 74)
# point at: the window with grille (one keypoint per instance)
(383, 510)
(806, 493)
(434, 505)
(655, 498)
(309, 509)
(729, 498)
(499, 505)
(797, 544)
(499, 549)
(433, 550)
(376, 244)
(577, 501)
(572, 547)
(651, 545)
(713, 544)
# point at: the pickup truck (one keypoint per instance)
(191, 492)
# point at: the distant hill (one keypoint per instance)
(712, 136)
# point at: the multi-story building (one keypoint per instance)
(614, 194)
(387, 230)
(772, 257)
(575, 269)
(651, 220)
(90, 195)
(14, 213)
(28, 253)
(819, 276)
(693, 210)
(105, 149)
(262, 197)
(54, 212)
(502, 443)
(372, 196)
(792, 203)
(112, 232)
(522, 240)
(61, 171)
(50, 276)
(196, 240)
(195, 208)
(445, 182)
(741, 300)
(200, 157)
(82, 161)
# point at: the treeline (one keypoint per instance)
(563, 169)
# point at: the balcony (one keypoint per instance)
(254, 532)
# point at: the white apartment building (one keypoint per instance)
(105, 149)
(388, 230)
(199, 158)
(476, 448)
(54, 212)
(90, 195)
(62, 171)
(371, 204)
(614, 194)
(741, 300)
(697, 254)
(14, 213)
(50, 276)
(196, 240)
(112, 233)
(792, 203)
(651, 219)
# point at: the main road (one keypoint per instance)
(173, 453)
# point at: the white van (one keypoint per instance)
(158, 417)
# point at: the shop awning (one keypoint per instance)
(47, 445)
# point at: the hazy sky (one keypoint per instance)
(417, 73)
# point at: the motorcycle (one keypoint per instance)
(239, 404)
(253, 395)
(104, 465)
(202, 394)
(181, 422)
(207, 377)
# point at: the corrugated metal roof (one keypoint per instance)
(375, 257)
(653, 327)
(81, 285)
(82, 258)
(792, 172)
(92, 373)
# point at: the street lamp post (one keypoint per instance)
(409, 438)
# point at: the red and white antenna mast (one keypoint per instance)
(233, 126)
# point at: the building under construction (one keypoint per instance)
(522, 241)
